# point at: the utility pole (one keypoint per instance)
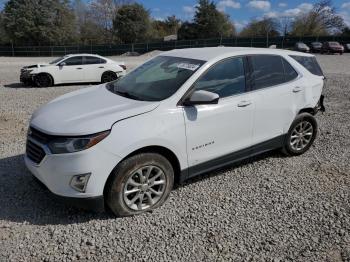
(267, 39)
(13, 51)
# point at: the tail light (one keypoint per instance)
(123, 66)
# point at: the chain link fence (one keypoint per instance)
(118, 49)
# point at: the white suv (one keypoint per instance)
(75, 68)
(180, 114)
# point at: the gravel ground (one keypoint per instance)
(271, 208)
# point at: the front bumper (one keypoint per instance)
(336, 51)
(316, 50)
(26, 78)
(91, 203)
(56, 171)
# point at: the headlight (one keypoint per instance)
(26, 71)
(74, 144)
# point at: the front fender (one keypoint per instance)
(165, 129)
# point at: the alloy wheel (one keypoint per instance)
(301, 135)
(144, 188)
(42, 81)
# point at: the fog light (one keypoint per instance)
(79, 182)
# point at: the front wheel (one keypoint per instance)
(301, 135)
(43, 80)
(138, 184)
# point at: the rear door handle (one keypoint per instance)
(244, 103)
(101, 67)
(296, 89)
(79, 68)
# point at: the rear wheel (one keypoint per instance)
(301, 135)
(140, 183)
(43, 80)
(108, 77)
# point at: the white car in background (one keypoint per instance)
(77, 68)
(180, 114)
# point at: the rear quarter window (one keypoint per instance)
(289, 72)
(310, 63)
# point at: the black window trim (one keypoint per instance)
(103, 61)
(82, 58)
(273, 86)
(284, 60)
(246, 76)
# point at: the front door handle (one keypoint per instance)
(79, 68)
(244, 103)
(101, 67)
(296, 89)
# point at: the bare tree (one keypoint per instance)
(103, 12)
(321, 20)
(324, 13)
(266, 27)
(285, 24)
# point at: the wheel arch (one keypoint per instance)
(163, 151)
(309, 110)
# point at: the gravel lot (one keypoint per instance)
(271, 208)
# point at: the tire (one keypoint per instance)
(108, 76)
(127, 192)
(303, 129)
(43, 80)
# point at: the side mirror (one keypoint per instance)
(202, 97)
(62, 64)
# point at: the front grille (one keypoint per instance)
(41, 137)
(34, 152)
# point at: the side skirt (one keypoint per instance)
(232, 158)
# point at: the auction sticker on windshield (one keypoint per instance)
(188, 66)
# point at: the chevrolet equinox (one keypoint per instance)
(122, 144)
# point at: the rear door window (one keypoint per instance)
(92, 60)
(310, 63)
(267, 70)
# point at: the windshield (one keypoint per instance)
(317, 44)
(302, 45)
(156, 79)
(334, 44)
(56, 60)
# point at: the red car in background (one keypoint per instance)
(332, 48)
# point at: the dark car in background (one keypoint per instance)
(301, 47)
(332, 47)
(316, 47)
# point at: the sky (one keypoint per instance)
(241, 11)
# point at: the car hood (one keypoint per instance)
(36, 66)
(86, 111)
